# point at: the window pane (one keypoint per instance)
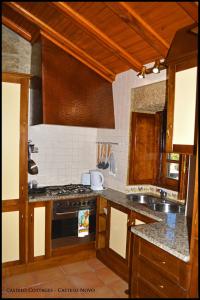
(173, 171)
(173, 156)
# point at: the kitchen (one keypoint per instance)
(120, 114)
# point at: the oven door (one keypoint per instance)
(65, 228)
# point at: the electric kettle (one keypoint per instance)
(97, 180)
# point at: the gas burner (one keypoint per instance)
(69, 189)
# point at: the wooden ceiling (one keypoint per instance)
(109, 37)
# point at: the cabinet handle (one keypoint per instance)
(161, 286)
(163, 262)
(31, 218)
(22, 216)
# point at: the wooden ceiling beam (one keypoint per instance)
(71, 48)
(35, 36)
(16, 28)
(139, 25)
(191, 8)
(85, 24)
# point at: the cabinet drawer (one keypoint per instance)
(144, 290)
(161, 283)
(161, 259)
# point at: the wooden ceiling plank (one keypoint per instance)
(16, 28)
(191, 8)
(138, 24)
(98, 34)
(71, 48)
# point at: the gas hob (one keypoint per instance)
(61, 190)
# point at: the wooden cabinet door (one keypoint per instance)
(14, 167)
(10, 140)
(184, 107)
(118, 231)
(14, 136)
(181, 110)
(10, 236)
(39, 230)
(144, 148)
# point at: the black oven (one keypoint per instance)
(66, 215)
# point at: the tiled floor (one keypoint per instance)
(85, 279)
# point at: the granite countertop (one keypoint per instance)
(169, 231)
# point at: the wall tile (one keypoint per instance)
(64, 153)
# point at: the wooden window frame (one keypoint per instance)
(179, 185)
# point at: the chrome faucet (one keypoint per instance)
(163, 194)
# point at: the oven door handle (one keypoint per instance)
(70, 212)
(66, 213)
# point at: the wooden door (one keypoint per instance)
(144, 148)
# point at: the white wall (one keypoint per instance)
(122, 106)
(64, 153)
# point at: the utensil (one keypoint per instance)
(103, 157)
(100, 165)
(98, 154)
(32, 167)
(107, 156)
(112, 165)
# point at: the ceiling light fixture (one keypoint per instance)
(158, 66)
(142, 73)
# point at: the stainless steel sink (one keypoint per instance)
(142, 199)
(167, 207)
(157, 204)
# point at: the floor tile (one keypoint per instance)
(84, 279)
(77, 268)
(106, 275)
(100, 292)
(95, 263)
(32, 278)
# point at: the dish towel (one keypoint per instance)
(83, 222)
(112, 165)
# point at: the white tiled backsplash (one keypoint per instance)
(64, 153)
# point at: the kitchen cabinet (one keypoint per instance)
(14, 136)
(39, 230)
(113, 234)
(156, 273)
(101, 223)
(14, 166)
(10, 236)
(82, 97)
(182, 92)
(144, 148)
